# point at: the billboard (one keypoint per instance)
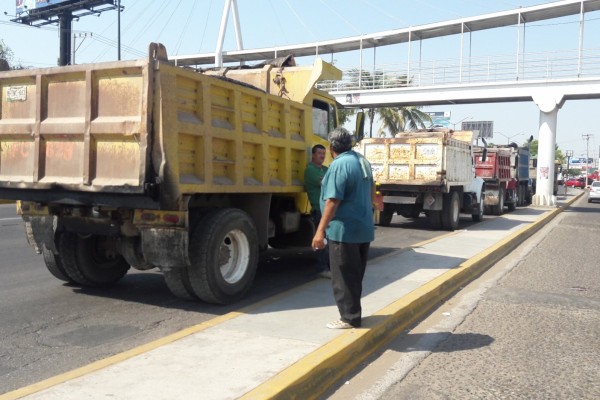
(439, 119)
(29, 5)
(26, 5)
(485, 128)
(581, 160)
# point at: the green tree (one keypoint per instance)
(401, 119)
(558, 154)
(7, 58)
(344, 115)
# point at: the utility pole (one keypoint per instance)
(75, 47)
(119, 30)
(587, 157)
(569, 154)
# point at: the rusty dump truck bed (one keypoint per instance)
(127, 127)
(497, 164)
(421, 158)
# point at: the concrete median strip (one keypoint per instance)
(311, 376)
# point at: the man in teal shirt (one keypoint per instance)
(313, 175)
(347, 220)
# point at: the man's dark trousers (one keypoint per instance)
(348, 262)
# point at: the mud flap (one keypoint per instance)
(433, 202)
(165, 247)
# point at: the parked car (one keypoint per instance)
(576, 182)
(594, 193)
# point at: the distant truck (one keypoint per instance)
(147, 165)
(426, 171)
(520, 170)
(493, 166)
(505, 170)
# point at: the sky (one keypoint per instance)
(192, 26)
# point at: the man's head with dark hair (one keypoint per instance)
(318, 154)
(318, 147)
(341, 140)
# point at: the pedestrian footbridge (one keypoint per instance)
(547, 78)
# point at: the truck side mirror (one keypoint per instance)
(360, 126)
(484, 154)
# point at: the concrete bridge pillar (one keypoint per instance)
(549, 104)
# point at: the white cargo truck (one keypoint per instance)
(426, 171)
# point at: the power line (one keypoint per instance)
(185, 26)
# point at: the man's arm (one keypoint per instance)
(331, 206)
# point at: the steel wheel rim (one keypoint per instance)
(234, 256)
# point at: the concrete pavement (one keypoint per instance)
(280, 348)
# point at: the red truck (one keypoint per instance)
(493, 164)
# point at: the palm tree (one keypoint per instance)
(401, 119)
(394, 119)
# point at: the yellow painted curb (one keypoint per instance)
(311, 376)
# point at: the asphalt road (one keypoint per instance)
(49, 327)
(527, 329)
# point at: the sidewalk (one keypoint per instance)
(280, 347)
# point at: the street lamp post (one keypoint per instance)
(456, 123)
(509, 137)
(569, 154)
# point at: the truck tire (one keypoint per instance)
(477, 213)
(512, 205)
(54, 265)
(385, 218)
(223, 256)
(498, 209)
(413, 213)
(91, 261)
(451, 211)
(435, 219)
(521, 196)
(178, 282)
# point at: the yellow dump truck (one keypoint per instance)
(427, 171)
(145, 164)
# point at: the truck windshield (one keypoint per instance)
(323, 117)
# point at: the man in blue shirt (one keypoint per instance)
(347, 221)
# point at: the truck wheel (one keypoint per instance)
(435, 219)
(385, 218)
(91, 261)
(178, 282)
(499, 208)
(412, 213)
(224, 256)
(477, 215)
(54, 265)
(512, 206)
(520, 196)
(451, 211)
